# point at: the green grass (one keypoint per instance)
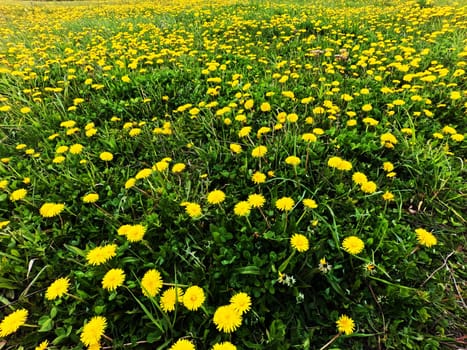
(172, 83)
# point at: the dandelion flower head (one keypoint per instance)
(193, 298)
(57, 289)
(12, 322)
(242, 208)
(93, 330)
(18, 195)
(259, 151)
(113, 279)
(170, 297)
(100, 255)
(241, 302)
(227, 319)
(216, 197)
(285, 204)
(425, 238)
(48, 210)
(353, 245)
(345, 325)
(90, 198)
(183, 344)
(256, 200)
(224, 346)
(299, 242)
(310, 203)
(151, 283)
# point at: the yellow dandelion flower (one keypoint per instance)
(285, 204)
(227, 319)
(161, 166)
(76, 148)
(292, 118)
(216, 197)
(334, 162)
(288, 94)
(344, 165)
(193, 209)
(58, 160)
(292, 160)
(263, 130)
(345, 325)
(249, 104)
(3, 184)
(151, 283)
(95, 346)
(91, 132)
(48, 210)
(57, 289)
(112, 279)
(4, 224)
(178, 168)
(68, 124)
(309, 137)
(310, 203)
(425, 238)
(258, 178)
(259, 151)
(367, 107)
(12, 322)
(42, 346)
(135, 233)
(449, 130)
(265, 107)
(183, 344)
(170, 297)
(256, 200)
(299, 242)
(359, 178)
(130, 183)
(368, 187)
(61, 149)
(388, 140)
(93, 330)
(388, 166)
(388, 196)
(241, 302)
(457, 137)
(193, 298)
(143, 174)
(18, 195)
(370, 121)
(134, 132)
(242, 208)
(106, 156)
(235, 148)
(244, 132)
(353, 245)
(100, 255)
(90, 198)
(226, 345)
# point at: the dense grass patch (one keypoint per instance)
(273, 175)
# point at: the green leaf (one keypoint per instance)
(45, 323)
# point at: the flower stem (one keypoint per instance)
(333, 339)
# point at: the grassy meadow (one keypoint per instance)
(229, 174)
